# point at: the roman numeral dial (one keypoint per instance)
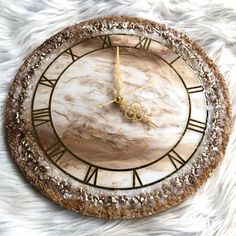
(175, 159)
(41, 116)
(47, 82)
(136, 179)
(91, 175)
(195, 89)
(56, 150)
(197, 126)
(144, 43)
(73, 56)
(106, 41)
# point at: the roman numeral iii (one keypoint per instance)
(41, 116)
(144, 43)
(197, 126)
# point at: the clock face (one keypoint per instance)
(99, 146)
(118, 117)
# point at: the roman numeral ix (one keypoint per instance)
(41, 116)
(197, 126)
(144, 43)
(175, 159)
(91, 175)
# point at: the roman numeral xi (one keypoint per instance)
(144, 43)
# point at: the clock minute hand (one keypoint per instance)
(118, 83)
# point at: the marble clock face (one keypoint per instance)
(100, 146)
(95, 149)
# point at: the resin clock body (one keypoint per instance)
(94, 159)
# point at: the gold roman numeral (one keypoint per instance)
(56, 150)
(91, 175)
(73, 56)
(197, 126)
(41, 116)
(136, 179)
(176, 159)
(106, 41)
(195, 89)
(144, 43)
(47, 82)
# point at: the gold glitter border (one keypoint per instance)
(107, 204)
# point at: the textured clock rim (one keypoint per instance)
(83, 200)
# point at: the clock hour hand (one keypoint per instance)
(119, 99)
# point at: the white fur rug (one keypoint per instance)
(26, 24)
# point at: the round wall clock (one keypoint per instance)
(118, 117)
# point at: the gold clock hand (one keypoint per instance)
(136, 90)
(118, 83)
(120, 98)
(136, 112)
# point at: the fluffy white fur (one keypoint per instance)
(24, 25)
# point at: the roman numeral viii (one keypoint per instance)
(91, 175)
(197, 126)
(176, 159)
(144, 43)
(41, 116)
(56, 150)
